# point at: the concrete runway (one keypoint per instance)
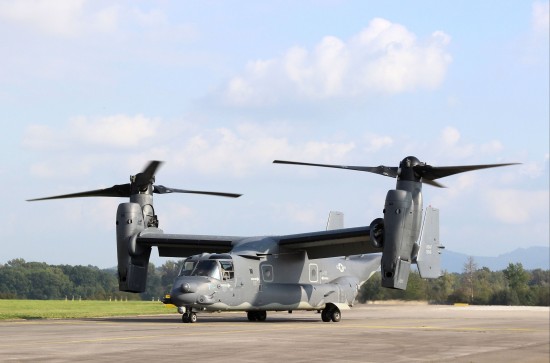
(367, 333)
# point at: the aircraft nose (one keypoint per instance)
(181, 299)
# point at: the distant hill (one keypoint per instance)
(531, 258)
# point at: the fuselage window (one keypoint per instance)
(227, 270)
(313, 273)
(267, 273)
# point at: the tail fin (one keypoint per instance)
(428, 259)
(335, 220)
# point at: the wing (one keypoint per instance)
(332, 243)
(184, 245)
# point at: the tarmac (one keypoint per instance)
(366, 333)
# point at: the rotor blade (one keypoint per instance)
(152, 167)
(161, 189)
(147, 176)
(382, 170)
(436, 172)
(119, 190)
(433, 183)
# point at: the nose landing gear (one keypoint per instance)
(189, 316)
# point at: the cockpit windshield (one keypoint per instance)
(187, 268)
(208, 268)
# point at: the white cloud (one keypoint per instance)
(306, 216)
(517, 206)
(531, 170)
(76, 18)
(377, 142)
(242, 149)
(452, 147)
(491, 147)
(541, 18)
(115, 131)
(64, 167)
(450, 136)
(383, 58)
(66, 18)
(118, 131)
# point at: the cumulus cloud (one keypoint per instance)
(383, 58)
(377, 142)
(541, 18)
(517, 206)
(61, 17)
(451, 145)
(239, 150)
(75, 18)
(236, 150)
(116, 131)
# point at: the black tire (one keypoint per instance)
(261, 315)
(185, 318)
(335, 315)
(251, 315)
(193, 318)
(325, 315)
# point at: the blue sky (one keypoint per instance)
(90, 91)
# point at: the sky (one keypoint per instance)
(90, 91)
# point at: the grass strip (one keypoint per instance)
(67, 309)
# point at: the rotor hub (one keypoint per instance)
(407, 171)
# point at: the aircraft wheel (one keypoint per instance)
(335, 315)
(261, 316)
(325, 315)
(251, 315)
(185, 318)
(193, 318)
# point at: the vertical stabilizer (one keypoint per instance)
(335, 220)
(428, 259)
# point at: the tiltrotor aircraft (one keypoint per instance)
(317, 271)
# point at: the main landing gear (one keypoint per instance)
(256, 315)
(331, 312)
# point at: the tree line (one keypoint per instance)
(39, 281)
(512, 286)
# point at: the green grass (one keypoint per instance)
(61, 309)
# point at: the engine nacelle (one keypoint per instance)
(133, 261)
(399, 237)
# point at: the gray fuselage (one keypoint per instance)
(276, 282)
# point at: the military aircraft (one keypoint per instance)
(317, 271)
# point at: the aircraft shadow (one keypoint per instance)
(206, 318)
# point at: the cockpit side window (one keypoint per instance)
(208, 268)
(227, 270)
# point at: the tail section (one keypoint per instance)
(428, 259)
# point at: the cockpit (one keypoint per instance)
(216, 266)
(188, 266)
